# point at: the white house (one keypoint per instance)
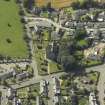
(92, 99)
(56, 86)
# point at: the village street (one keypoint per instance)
(38, 20)
(4, 99)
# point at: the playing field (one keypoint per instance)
(54, 3)
(11, 31)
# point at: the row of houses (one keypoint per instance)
(12, 72)
(94, 25)
(15, 61)
(44, 88)
(95, 30)
(56, 90)
(96, 52)
(11, 95)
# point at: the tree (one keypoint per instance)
(8, 40)
(48, 5)
(10, 103)
(7, 0)
(85, 4)
(21, 12)
(1, 57)
(28, 4)
(63, 50)
(82, 44)
(4, 82)
(80, 34)
(0, 93)
(68, 62)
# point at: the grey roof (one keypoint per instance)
(95, 57)
(81, 12)
(80, 24)
(43, 24)
(102, 25)
(22, 75)
(90, 24)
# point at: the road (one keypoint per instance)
(36, 80)
(33, 64)
(101, 84)
(57, 25)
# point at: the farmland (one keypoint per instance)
(61, 3)
(40, 3)
(11, 31)
(54, 3)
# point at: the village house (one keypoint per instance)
(92, 99)
(56, 100)
(101, 17)
(56, 86)
(22, 75)
(16, 101)
(96, 52)
(43, 88)
(7, 74)
(76, 16)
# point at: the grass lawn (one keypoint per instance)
(64, 92)
(82, 43)
(26, 92)
(32, 90)
(83, 101)
(46, 35)
(90, 63)
(11, 31)
(44, 14)
(23, 92)
(93, 76)
(54, 67)
(39, 55)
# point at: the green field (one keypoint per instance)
(11, 31)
